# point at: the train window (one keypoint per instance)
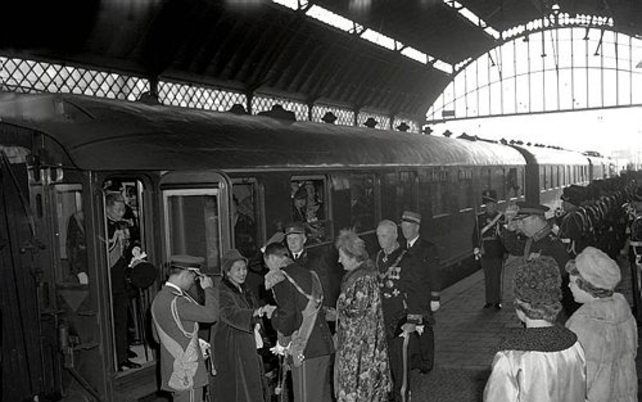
(362, 202)
(512, 184)
(465, 189)
(245, 216)
(542, 177)
(497, 182)
(399, 193)
(442, 199)
(130, 298)
(72, 239)
(553, 174)
(407, 192)
(309, 206)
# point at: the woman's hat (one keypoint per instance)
(230, 257)
(597, 268)
(538, 281)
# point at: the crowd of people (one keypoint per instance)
(351, 341)
(358, 340)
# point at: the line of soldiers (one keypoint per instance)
(408, 268)
(590, 216)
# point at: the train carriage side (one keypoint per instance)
(200, 183)
(548, 171)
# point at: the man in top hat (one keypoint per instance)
(420, 282)
(488, 248)
(314, 260)
(528, 235)
(176, 315)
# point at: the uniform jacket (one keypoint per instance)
(608, 332)
(538, 365)
(419, 279)
(490, 242)
(287, 318)
(330, 276)
(239, 367)
(190, 313)
(393, 299)
(548, 245)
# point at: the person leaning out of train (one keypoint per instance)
(361, 370)
(604, 326)
(420, 281)
(542, 362)
(240, 376)
(175, 315)
(303, 336)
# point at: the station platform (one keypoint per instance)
(467, 337)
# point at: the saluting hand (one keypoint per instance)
(206, 282)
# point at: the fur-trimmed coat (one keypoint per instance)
(608, 332)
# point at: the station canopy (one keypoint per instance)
(396, 56)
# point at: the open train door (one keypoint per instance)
(29, 353)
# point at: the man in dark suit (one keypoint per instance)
(315, 260)
(420, 282)
(488, 248)
(303, 334)
(176, 315)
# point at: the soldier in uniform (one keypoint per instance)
(388, 265)
(303, 334)
(529, 235)
(329, 273)
(420, 280)
(176, 316)
(488, 248)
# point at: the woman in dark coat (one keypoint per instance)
(239, 367)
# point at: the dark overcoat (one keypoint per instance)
(238, 365)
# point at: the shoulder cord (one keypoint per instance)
(177, 320)
(299, 289)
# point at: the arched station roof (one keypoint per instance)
(101, 134)
(258, 45)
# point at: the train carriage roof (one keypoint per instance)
(100, 134)
(550, 156)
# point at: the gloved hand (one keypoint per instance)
(279, 350)
(407, 329)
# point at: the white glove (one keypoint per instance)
(434, 305)
(279, 350)
(205, 347)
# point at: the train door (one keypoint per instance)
(27, 331)
(196, 216)
(126, 217)
(73, 282)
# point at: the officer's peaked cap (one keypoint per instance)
(412, 217)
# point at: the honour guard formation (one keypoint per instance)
(248, 201)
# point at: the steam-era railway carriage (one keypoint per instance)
(199, 183)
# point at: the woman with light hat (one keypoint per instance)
(604, 326)
(239, 368)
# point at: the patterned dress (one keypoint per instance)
(362, 371)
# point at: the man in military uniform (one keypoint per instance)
(572, 223)
(528, 235)
(303, 332)
(488, 248)
(316, 261)
(388, 264)
(176, 316)
(420, 280)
